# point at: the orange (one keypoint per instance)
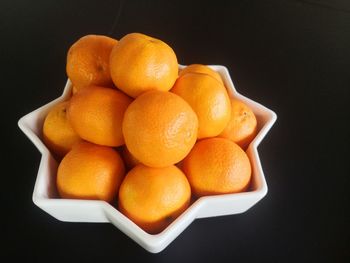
(208, 98)
(129, 160)
(88, 61)
(90, 171)
(96, 114)
(140, 63)
(217, 166)
(159, 128)
(153, 197)
(58, 134)
(242, 126)
(199, 68)
(75, 89)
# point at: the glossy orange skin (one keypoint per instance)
(242, 127)
(58, 134)
(88, 61)
(91, 172)
(199, 68)
(140, 63)
(159, 128)
(209, 100)
(96, 114)
(217, 166)
(154, 197)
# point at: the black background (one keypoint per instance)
(292, 56)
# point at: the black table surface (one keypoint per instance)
(292, 56)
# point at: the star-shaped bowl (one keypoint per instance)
(71, 210)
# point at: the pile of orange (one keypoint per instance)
(144, 136)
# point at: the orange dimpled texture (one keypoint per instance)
(159, 128)
(96, 114)
(140, 63)
(242, 126)
(154, 197)
(91, 172)
(217, 166)
(209, 100)
(58, 133)
(199, 68)
(88, 61)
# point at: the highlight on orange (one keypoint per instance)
(58, 134)
(217, 166)
(88, 61)
(90, 171)
(154, 197)
(140, 63)
(209, 100)
(242, 127)
(199, 68)
(96, 114)
(159, 128)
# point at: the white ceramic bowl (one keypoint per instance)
(45, 194)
